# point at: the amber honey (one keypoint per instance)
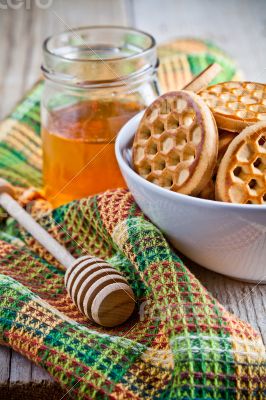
(96, 79)
(78, 148)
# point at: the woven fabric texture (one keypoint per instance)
(180, 343)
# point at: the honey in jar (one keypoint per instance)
(78, 148)
(96, 79)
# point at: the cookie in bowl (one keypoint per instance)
(176, 143)
(241, 175)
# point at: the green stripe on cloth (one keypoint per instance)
(195, 357)
(191, 328)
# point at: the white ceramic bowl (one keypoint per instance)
(224, 237)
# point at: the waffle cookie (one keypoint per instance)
(208, 192)
(225, 138)
(241, 176)
(176, 143)
(235, 105)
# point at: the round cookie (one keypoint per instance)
(208, 192)
(225, 138)
(196, 85)
(235, 105)
(241, 175)
(176, 143)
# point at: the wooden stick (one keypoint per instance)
(38, 232)
(202, 80)
(98, 290)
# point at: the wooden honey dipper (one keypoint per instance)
(98, 290)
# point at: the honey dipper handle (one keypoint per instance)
(202, 80)
(30, 225)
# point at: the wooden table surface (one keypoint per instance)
(238, 26)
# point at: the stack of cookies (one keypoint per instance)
(211, 144)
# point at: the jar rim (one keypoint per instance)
(133, 54)
(98, 27)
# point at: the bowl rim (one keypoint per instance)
(128, 131)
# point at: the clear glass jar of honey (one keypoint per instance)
(97, 78)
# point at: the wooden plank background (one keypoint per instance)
(238, 26)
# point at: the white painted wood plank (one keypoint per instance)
(83, 13)
(22, 33)
(4, 364)
(20, 371)
(237, 26)
(39, 375)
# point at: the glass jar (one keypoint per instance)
(97, 78)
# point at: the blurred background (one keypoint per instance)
(237, 26)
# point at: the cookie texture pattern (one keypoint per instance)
(236, 105)
(176, 143)
(241, 176)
